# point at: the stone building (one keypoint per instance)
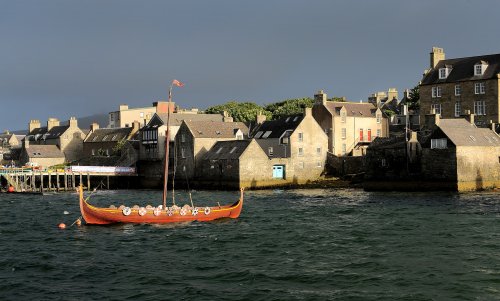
(8, 140)
(195, 138)
(291, 150)
(41, 155)
(68, 138)
(104, 142)
(449, 154)
(348, 124)
(452, 86)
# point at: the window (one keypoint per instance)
(141, 114)
(342, 117)
(436, 92)
(479, 88)
(361, 135)
(301, 137)
(480, 68)
(379, 132)
(301, 165)
(480, 107)
(94, 139)
(266, 134)
(443, 73)
(219, 150)
(183, 137)
(439, 143)
(318, 150)
(270, 151)
(301, 151)
(458, 109)
(369, 135)
(344, 149)
(105, 137)
(383, 162)
(379, 118)
(458, 90)
(436, 107)
(233, 149)
(183, 153)
(296, 118)
(114, 137)
(344, 133)
(239, 137)
(257, 136)
(318, 164)
(93, 152)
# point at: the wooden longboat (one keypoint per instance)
(159, 215)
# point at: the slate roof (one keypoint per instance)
(276, 128)
(44, 151)
(463, 69)
(355, 109)
(43, 134)
(216, 129)
(176, 119)
(107, 135)
(222, 150)
(463, 133)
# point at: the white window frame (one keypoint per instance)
(183, 137)
(437, 108)
(458, 90)
(441, 143)
(344, 133)
(318, 164)
(301, 152)
(379, 118)
(318, 151)
(479, 107)
(343, 117)
(443, 73)
(458, 109)
(436, 92)
(479, 69)
(301, 137)
(479, 88)
(183, 153)
(379, 132)
(344, 149)
(270, 151)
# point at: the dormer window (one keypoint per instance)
(480, 67)
(443, 72)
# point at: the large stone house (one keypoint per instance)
(68, 138)
(449, 154)
(8, 142)
(290, 150)
(348, 124)
(195, 138)
(453, 86)
(41, 155)
(106, 141)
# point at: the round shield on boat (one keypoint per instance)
(126, 211)
(169, 212)
(157, 211)
(195, 211)
(183, 211)
(207, 210)
(142, 211)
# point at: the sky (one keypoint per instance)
(63, 58)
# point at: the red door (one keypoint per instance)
(360, 134)
(369, 135)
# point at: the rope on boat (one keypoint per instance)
(78, 221)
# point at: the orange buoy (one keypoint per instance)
(78, 222)
(62, 226)
(10, 189)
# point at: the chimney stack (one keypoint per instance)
(52, 122)
(26, 143)
(73, 122)
(307, 111)
(94, 126)
(123, 107)
(34, 124)
(437, 55)
(320, 97)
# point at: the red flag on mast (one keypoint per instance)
(177, 83)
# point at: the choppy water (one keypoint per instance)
(286, 245)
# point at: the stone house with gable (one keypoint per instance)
(195, 138)
(288, 151)
(451, 87)
(348, 124)
(68, 138)
(103, 141)
(449, 154)
(41, 155)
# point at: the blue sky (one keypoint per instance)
(62, 58)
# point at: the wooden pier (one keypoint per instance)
(32, 180)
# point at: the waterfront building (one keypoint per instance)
(68, 138)
(290, 150)
(448, 154)
(452, 86)
(349, 124)
(195, 138)
(112, 142)
(41, 155)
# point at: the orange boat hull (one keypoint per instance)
(103, 216)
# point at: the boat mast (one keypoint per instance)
(167, 146)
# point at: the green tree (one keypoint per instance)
(289, 107)
(414, 99)
(240, 111)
